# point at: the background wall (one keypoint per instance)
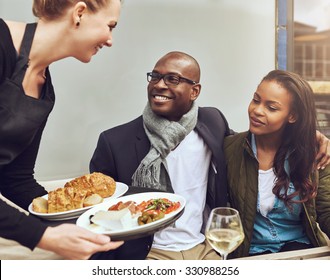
(233, 40)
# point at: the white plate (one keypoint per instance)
(121, 189)
(136, 231)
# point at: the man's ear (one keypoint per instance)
(195, 91)
(79, 9)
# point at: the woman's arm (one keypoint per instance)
(323, 156)
(322, 201)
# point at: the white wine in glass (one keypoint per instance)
(224, 230)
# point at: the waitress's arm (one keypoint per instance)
(17, 181)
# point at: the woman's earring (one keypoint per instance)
(77, 23)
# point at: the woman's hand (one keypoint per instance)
(323, 155)
(76, 243)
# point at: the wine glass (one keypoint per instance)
(224, 230)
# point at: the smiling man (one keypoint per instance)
(170, 92)
(175, 146)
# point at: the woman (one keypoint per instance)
(273, 178)
(65, 28)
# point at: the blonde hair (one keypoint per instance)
(53, 9)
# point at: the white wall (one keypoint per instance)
(233, 40)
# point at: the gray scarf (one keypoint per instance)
(164, 136)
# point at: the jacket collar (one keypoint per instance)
(251, 146)
(247, 145)
(211, 141)
(142, 143)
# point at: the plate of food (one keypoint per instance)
(133, 216)
(77, 196)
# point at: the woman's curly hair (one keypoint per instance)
(299, 140)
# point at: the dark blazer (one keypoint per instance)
(120, 150)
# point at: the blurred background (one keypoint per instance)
(233, 40)
(311, 53)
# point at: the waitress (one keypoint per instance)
(64, 29)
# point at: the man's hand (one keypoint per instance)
(323, 155)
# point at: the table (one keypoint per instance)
(319, 253)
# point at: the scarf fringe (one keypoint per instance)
(147, 176)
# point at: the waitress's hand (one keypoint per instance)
(75, 243)
(323, 155)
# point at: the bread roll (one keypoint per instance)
(52, 204)
(87, 190)
(40, 205)
(75, 192)
(92, 200)
(63, 201)
(96, 182)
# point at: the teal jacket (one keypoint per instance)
(242, 175)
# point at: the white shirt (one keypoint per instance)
(188, 167)
(266, 197)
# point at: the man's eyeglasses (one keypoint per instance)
(169, 79)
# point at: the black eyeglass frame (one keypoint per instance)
(163, 76)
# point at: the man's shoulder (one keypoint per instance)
(129, 126)
(210, 111)
(211, 115)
